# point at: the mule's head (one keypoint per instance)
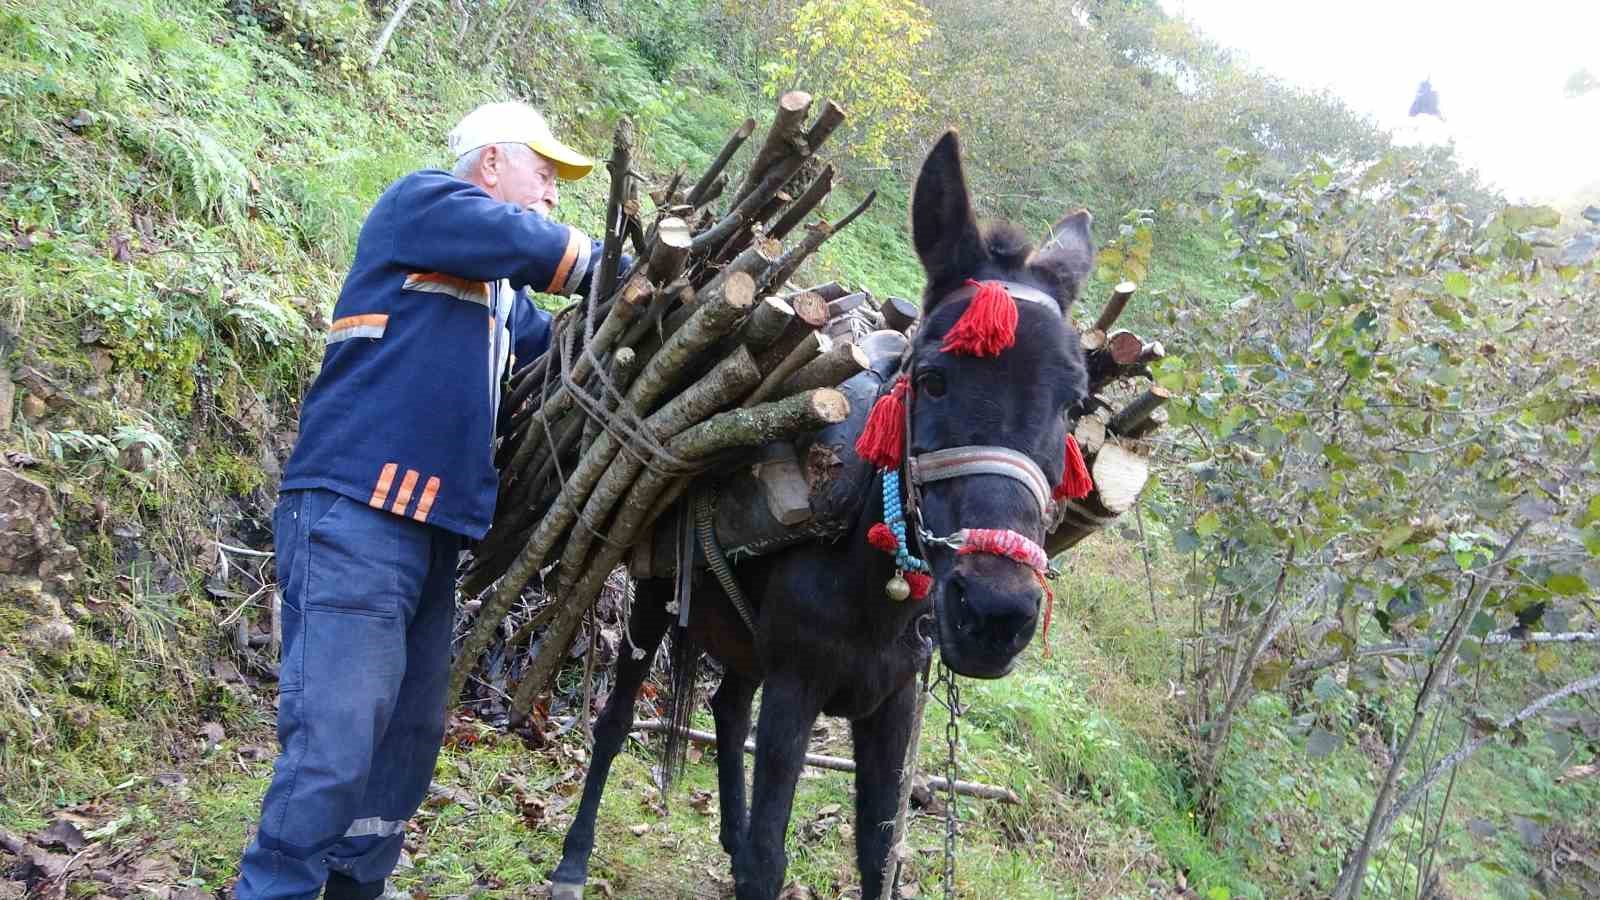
(988, 606)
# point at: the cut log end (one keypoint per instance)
(1125, 347)
(792, 102)
(739, 291)
(900, 314)
(829, 405)
(1119, 476)
(674, 232)
(810, 308)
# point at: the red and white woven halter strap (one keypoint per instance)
(1004, 542)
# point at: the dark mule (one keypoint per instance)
(828, 640)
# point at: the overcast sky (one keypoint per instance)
(1499, 69)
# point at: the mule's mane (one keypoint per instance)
(1012, 256)
(1009, 246)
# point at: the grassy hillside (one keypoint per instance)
(180, 186)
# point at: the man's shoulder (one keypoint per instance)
(435, 179)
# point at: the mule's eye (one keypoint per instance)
(931, 383)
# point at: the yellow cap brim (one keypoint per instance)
(570, 164)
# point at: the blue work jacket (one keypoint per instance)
(434, 313)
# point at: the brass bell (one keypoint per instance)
(897, 588)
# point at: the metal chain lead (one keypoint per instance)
(952, 738)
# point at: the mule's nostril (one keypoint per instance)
(962, 615)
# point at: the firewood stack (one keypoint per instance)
(1113, 440)
(699, 349)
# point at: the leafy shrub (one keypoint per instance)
(330, 31)
(661, 32)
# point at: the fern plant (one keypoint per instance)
(207, 176)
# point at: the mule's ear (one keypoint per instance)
(1067, 256)
(943, 227)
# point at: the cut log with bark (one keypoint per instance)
(900, 314)
(700, 193)
(832, 367)
(767, 322)
(784, 140)
(1120, 295)
(671, 250)
(1132, 418)
(803, 206)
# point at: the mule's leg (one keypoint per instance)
(731, 708)
(880, 749)
(647, 624)
(788, 710)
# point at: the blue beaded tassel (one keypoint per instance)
(894, 516)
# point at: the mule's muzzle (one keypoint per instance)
(987, 608)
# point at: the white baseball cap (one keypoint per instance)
(516, 123)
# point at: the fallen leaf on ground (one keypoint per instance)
(1577, 772)
(639, 830)
(51, 865)
(62, 833)
(442, 794)
(212, 733)
(700, 800)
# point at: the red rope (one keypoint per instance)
(1004, 542)
(1049, 605)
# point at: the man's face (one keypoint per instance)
(516, 174)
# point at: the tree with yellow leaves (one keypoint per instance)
(862, 54)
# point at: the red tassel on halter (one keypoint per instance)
(1075, 481)
(920, 584)
(989, 324)
(881, 538)
(883, 439)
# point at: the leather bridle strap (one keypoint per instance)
(1018, 291)
(959, 462)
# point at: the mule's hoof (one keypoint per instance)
(559, 891)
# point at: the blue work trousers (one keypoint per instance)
(368, 603)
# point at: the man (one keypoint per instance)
(393, 471)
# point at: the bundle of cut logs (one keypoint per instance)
(699, 353)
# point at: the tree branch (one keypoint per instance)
(1413, 793)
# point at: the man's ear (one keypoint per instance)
(490, 162)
